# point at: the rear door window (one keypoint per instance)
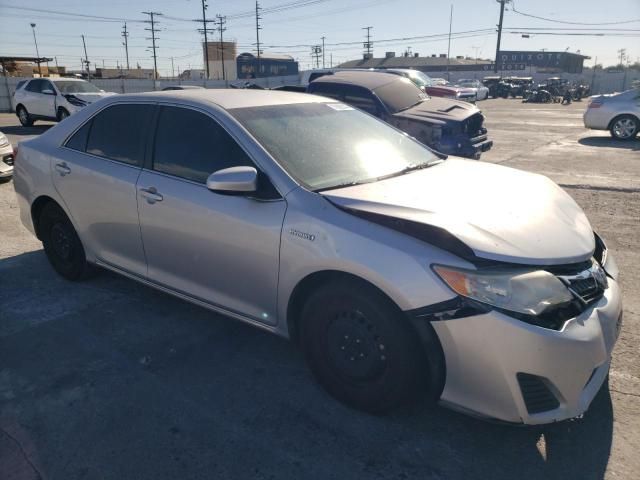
(331, 90)
(192, 145)
(362, 99)
(119, 133)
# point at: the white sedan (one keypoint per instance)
(482, 92)
(617, 112)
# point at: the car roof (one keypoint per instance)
(368, 79)
(66, 79)
(225, 98)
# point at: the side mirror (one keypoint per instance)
(48, 91)
(233, 180)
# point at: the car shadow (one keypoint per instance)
(161, 372)
(21, 131)
(600, 141)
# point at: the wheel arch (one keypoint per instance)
(36, 208)
(430, 343)
(628, 114)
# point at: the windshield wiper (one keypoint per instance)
(346, 184)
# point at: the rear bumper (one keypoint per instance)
(504, 369)
(597, 118)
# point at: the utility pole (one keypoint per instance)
(125, 34)
(258, 28)
(221, 22)
(331, 60)
(173, 72)
(316, 50)
(476, 49)
(368, 45)
(86, 58)
(204, 30)
(153, 39)
(501, 2)
(449, 46)
(323, 38)
(33, 28)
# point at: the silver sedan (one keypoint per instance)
(619, 113)
(401, 273)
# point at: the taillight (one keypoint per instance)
(595, 105)
(15, 153)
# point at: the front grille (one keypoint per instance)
(473, 125)
(537, 396)
(8, 159)
(587, 289)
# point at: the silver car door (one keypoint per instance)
(95, 173)
(221, 249)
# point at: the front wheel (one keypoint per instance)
(360, 348)
(24, 117)
(624, 127)
(62, 114)
(62, 244)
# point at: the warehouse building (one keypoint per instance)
(529, 61)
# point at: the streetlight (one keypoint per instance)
(33, 28)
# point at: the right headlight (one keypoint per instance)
(529, 292)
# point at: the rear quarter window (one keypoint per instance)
(119, 132)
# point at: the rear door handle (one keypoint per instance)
(151, 194)
(62, 169)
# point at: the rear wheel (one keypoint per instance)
(624, 127)
(360, 348)
(24, 117)
(62, 244)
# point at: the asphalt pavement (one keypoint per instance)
(109, 379)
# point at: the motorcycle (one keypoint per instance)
(538, 95)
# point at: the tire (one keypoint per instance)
(62, 244)
(361, 349)
(624, 127)
(24, 117)
(62, 114)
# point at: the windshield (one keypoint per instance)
(419, 78)
(327, 145)
(76, 87)
(468, 83)
(400, 95)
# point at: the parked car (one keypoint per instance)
(448, 126)
(427, 85)
(182, 87)
(6, 158)
(519, 86)
(618, 112)
(53, 98)
(498, 87)
(481, 92)
(397, 272)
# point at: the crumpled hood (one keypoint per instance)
(439, 110)
(500, 213)
(91, 97)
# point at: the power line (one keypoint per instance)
(513, 9)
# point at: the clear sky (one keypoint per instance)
(293, 30)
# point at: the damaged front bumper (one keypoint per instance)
(501, 368)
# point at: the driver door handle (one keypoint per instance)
(62, 168)
(151, 194)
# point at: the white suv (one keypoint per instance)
(53, 98)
